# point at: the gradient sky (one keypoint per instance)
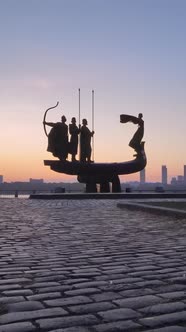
(131, 52)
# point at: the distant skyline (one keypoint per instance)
(131, 52)
(141, 177)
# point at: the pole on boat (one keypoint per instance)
(79, 107)
(79, 122)
(93, 124)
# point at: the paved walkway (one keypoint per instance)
(88, 266)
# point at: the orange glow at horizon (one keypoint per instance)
(25, 161)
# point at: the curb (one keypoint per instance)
(153, 209)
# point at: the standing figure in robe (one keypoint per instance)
(85, 142)
(135, 142)
(74, 132)
(58, 139)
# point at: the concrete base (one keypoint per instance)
(107, 195)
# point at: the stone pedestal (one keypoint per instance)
(108, 183)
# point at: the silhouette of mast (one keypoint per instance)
(79, 107)
(93, 124)
(79, 121)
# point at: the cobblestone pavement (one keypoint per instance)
(88, 266)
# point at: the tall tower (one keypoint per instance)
(142, 176)
(164, 174)
(184, 174)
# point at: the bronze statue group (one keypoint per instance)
(60, 145)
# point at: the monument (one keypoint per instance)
(106, 175)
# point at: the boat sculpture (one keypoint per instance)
(105, 173)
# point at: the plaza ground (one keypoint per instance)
(89, 266)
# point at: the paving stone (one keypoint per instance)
(89, 284)
(24, 306)
(73, 329)
(44, 284)
(14, 281)
(113, 266)
(44, 296)
(169, 329)
(87, 268)
(143, 273)
(175, 317)
(13, 268)
(136, 292)
(118, 314)
(11, 299)
(174, 295)
(10, 273)
(105, 296)
(149, 283)
(49, 279)
(129, 280)
(91, 307)
(60, 288)
(18, 327)
(28, 315)
(70, 281)
(146, 267)
(8, 287)
(34, 272)
(83, 320)
(163, 308)
(126, 325)
(118, 287)
(18, 292)
(86, 274)
(109, 277)
(82, 291)
(138, 302)
(68, 301)
(116, 270)
(171, 288)
(158, 276)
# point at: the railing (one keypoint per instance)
(21, 193)
(11, 193)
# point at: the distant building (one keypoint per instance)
(36, 181)
(1, 178)
(180, 179)
(164, 174)
(184, 173)
(173, 181)
(142, 176)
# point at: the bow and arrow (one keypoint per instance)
(44, 118)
